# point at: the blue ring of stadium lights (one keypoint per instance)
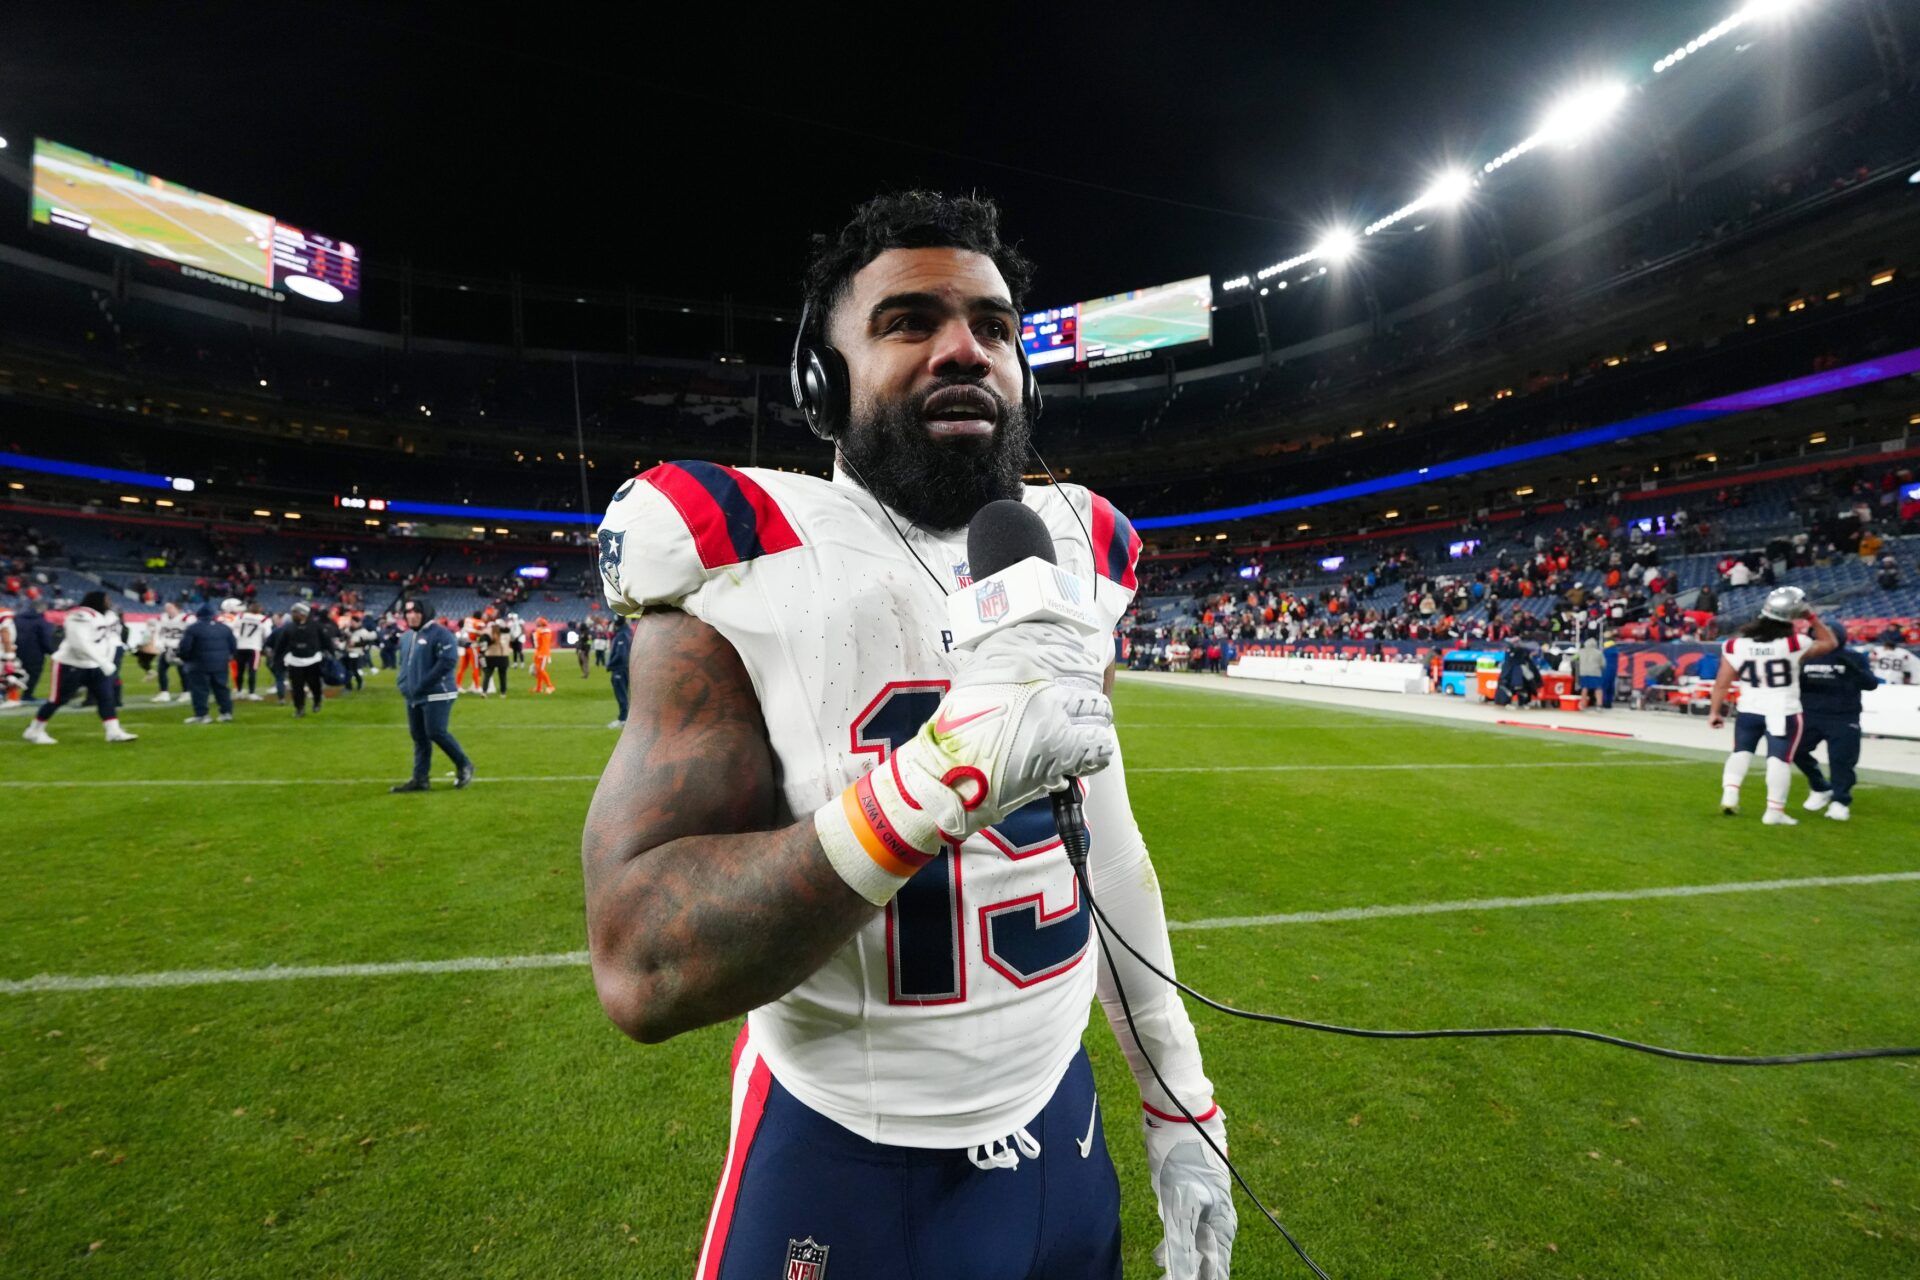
(1863, 374)
(1817, 384)
(86, 471)
(395, 506)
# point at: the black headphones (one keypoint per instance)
(823, 391)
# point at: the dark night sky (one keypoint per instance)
(624, 147)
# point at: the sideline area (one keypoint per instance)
(1894, 761)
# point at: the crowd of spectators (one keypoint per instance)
(1591, 576)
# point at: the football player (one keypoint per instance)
(1893, 664)
(1765, 658)
(87, 661)
(250, 637)
(168, 628)
(13, 676)
(821, 818)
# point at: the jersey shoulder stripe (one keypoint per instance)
(732, 519)
(1116, 545)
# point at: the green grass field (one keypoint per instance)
(494, 1123)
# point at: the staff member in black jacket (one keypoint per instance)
(33, 642)
(206, 647)
(1830, 689)
(301, 647)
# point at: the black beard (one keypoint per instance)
(937, 484)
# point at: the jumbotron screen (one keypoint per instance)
(1124, 326)
(87, 195)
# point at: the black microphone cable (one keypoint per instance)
(1476, 1033)
(1073, 835)
(1071, 824)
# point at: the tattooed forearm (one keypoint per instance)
(700, 905)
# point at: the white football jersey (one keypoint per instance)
(169, 630)
(250, 630)
(950, 1018)
(1895, 665)
(88, 639)
(1768, 672)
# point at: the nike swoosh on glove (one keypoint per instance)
(1195, 1193)
(1022, 716)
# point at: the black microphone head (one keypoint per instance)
(1002, 534)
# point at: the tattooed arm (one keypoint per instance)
(698, 908)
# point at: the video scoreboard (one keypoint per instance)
(1125, 326)
(197, 236)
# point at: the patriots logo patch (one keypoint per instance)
(610, 543)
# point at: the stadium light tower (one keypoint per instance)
(1763, 10)
(1449, 190)
(1581, 114)
(1336, 246)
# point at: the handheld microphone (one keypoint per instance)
(1003, 540)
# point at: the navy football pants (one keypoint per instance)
(1782, 732)
(792, 1175)
(70, 682)
(1842, 736)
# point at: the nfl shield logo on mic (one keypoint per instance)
(805, 1260)
(991, 600)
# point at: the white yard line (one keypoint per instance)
(1542, 900)
(144, 725)
(396, 776)
(594, 777)
(282, 973)
(46, 983)
(1424, 764)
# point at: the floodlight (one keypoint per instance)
(1913, 179)
(1581, 114)
(3, 144)
(1336, 246)
(1449, 189)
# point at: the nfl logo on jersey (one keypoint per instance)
(805, 1260)
(991, 601)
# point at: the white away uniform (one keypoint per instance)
(1768, 673)
(1895, 665)
(950, 1018)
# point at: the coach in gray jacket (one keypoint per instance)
(428, 656)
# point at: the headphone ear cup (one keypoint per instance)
(822, 381)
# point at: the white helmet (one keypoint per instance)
(1784, 604)
(232, 605)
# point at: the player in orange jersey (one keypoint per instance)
(472, 642)
(542, 656)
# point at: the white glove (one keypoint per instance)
(1023, 715)
(1195, 1191)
